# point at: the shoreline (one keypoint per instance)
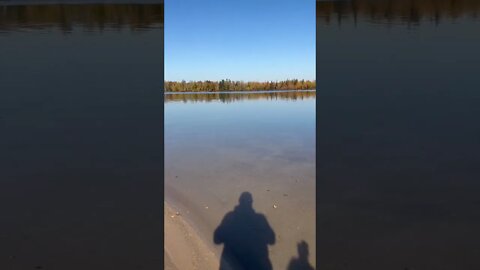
(238, 92)
(184, 248)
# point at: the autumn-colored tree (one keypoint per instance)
(229, 85)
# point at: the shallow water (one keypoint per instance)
(81, 141)
(398, 138)
(219, 146)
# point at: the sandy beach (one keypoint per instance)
(184, 249)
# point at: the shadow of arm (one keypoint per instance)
(220, 232)
(269, 233)
(217, 236)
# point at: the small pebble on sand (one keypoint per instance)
(275, 206)
(178, 213)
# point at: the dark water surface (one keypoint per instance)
(80, 136)
(398, 135)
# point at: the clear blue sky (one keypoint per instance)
(250, 40)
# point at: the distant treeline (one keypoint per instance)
(410, 11)
(232, 97)
(229, 85)
(89, 16)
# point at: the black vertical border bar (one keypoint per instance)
(162, 130)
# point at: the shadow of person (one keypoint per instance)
(245, 235)
(301, 263)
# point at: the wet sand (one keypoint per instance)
(292, 220)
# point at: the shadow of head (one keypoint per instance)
(245, 200)
(245, 235)
(301, 263)
(302, 248)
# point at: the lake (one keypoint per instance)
(220, 145)
(81, 161)
(398, 141)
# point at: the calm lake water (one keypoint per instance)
(220, 145)
(80, 136)
(398, 135)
